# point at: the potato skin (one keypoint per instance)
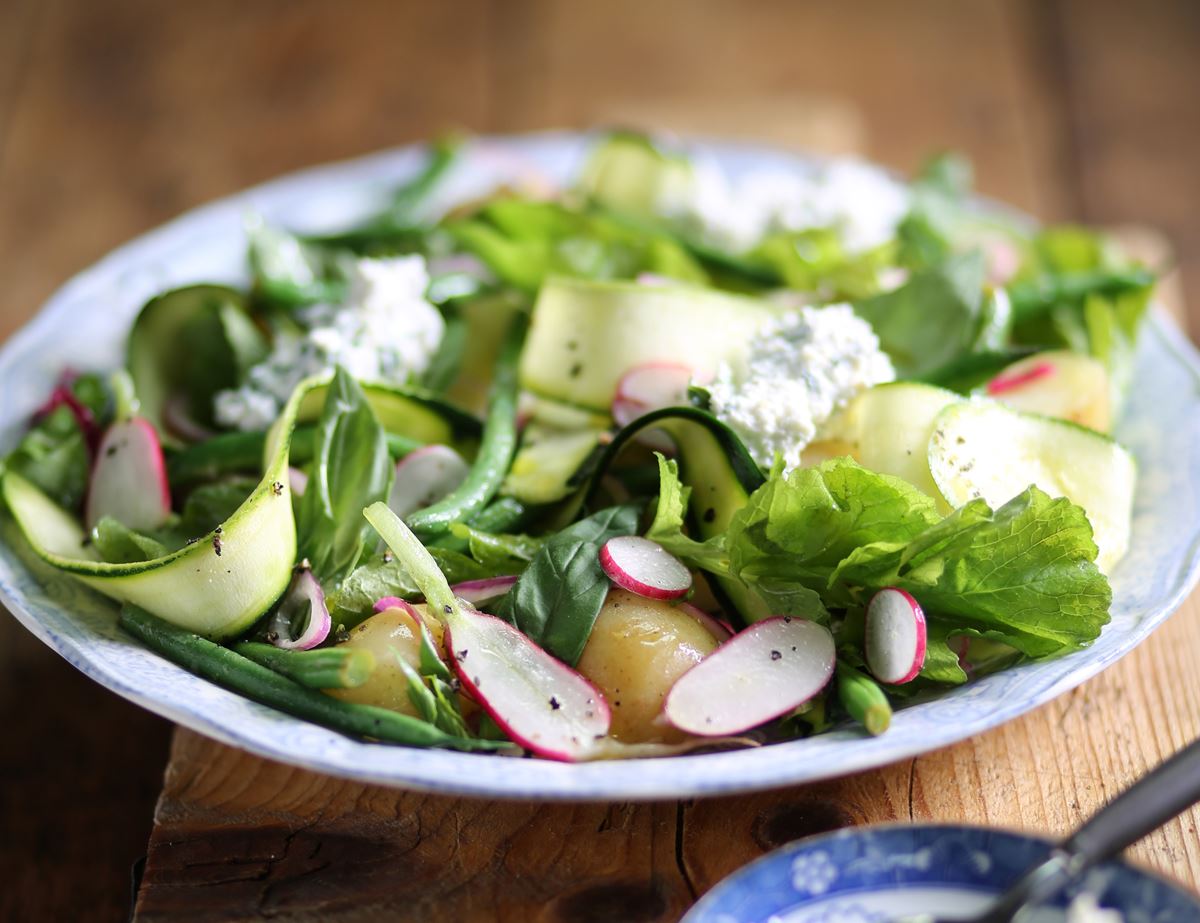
(637, 649)
(388, 634)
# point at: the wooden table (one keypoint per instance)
(116, 115)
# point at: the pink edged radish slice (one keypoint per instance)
(62, 395)
(895, 636)
(648, 387)
(297, 481)
(540, 702)
(129, 478)
(425, 476)
(302, 620)
(478, 592)
(395, 602)
(771, 668)
(1010, 381)
(715, 627)
(644, 567)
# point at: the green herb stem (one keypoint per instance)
(327, 668)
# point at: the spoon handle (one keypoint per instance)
(1149, 803)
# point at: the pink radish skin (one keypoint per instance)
(305, 593)
(771, 668)
(718, 629)
(129, 478)
(392, 602)
(425, 476)
(1005, 383)
(539, 702)
(895, 636)
(648, 387)
(63, 395)
(297, 481)
(644, 567)
(477, 592)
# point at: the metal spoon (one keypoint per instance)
(1149, 803)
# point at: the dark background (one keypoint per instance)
(118, 114)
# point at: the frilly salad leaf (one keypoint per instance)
(832, 535)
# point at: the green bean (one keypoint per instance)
(496, 447)
(325, 668)
(235, 672)
(863, 699)
(506, 514)
(229, 452)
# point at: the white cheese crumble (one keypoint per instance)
(861, 201)
(384, 330)
(796, 371)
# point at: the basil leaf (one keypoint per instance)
(557, 599)
(351, 469)
(116, 543)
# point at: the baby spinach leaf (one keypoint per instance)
(351, 469)
(503, 554)
(931, 319)
(557, 599)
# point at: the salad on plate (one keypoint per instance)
(661, 461)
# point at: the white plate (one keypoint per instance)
(85, 323)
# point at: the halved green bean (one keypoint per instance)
(233, 671)
(496, 447)
(507, 514)
(863, 699)
(325, 668)
(229, 452)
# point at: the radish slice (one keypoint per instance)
(895, 636)
(648, 387)
(644, 567)
(771, 668)
(297, 481)
(392, 602)
(301, 621)
(425, 476)
(478, 592)
(63, 395)
(1005, 383)
(540, 702)
(714, 626)
(129, 478)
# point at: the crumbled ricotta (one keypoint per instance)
(861, 201)
(795, 372)
(384, 330)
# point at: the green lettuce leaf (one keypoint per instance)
(1024, 574)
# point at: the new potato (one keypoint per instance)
(637, 649)
(387, 635)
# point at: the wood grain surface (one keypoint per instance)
(117, 114)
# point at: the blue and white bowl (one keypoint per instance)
(879, 874)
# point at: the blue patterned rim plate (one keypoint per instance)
(84, 325)
(877, 874)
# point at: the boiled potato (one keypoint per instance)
(1062, 384)
(637, 649)
(387, 635)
